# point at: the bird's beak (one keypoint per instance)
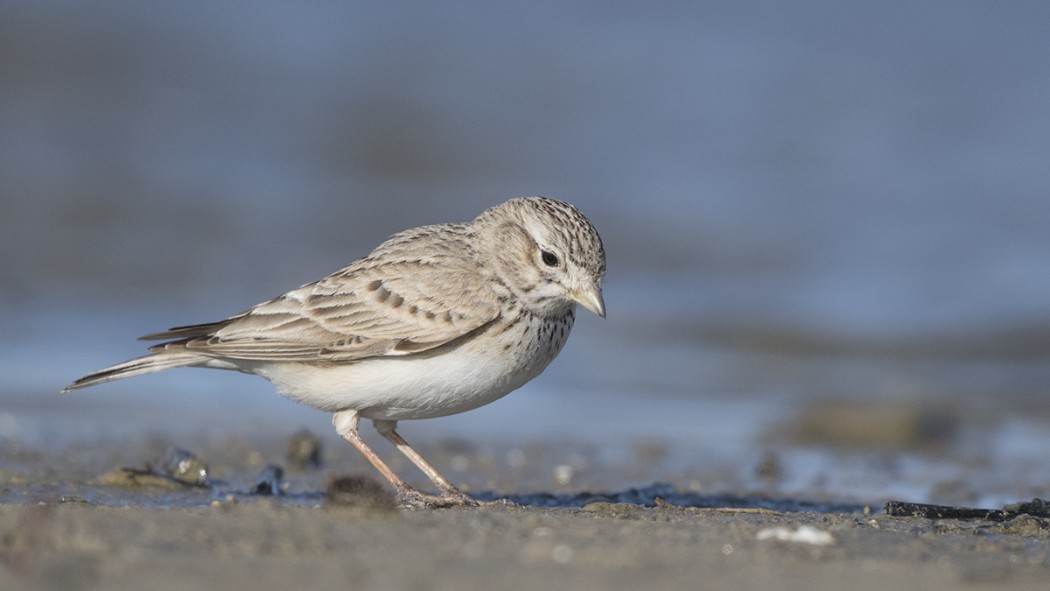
(590, 298)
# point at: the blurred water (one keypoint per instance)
(800, 201)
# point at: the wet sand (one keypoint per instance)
(61, 527)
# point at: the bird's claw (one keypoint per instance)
(413, 499)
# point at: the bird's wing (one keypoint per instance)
(369, 309)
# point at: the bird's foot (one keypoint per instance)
(411, 498)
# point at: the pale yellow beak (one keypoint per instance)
(590, 299)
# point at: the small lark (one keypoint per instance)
(436, 321)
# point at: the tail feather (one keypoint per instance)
(138, 366)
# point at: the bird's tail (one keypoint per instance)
(138, 366)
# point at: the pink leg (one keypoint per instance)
(448, 490)
(346, 422)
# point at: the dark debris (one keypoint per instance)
(269, 481)
(1035, 508)
(663, 495)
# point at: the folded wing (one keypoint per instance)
(367, 310)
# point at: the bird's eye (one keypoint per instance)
(549, 258)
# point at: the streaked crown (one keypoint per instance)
(546, 252)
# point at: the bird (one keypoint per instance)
(437, 320)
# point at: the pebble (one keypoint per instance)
(183, 466)
(303, 450)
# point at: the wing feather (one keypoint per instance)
(377, 306)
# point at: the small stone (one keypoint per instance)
(185, 467)
(804, 534)
(227, 502)
(303, 450)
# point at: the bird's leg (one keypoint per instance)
(346, 422)
(449, 493)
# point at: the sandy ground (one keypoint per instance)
(63, 528)
(267, 546)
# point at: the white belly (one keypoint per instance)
(397, 388)
(417, 386)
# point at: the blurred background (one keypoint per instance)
(826, 222)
